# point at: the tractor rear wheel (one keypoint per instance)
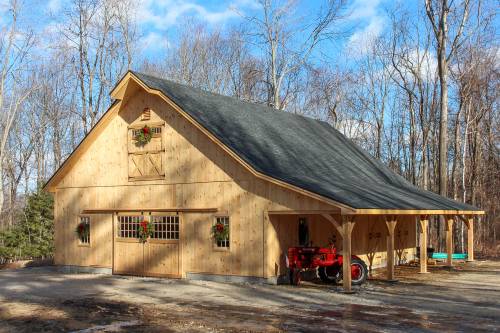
(359, 272)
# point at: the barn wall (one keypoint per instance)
(198, 174)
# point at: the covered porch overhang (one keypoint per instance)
(344, 222)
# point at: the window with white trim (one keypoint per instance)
(224, 220)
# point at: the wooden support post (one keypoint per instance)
(334, 222)
(470, 239)
(449, 241)
(391, 226)
(424, 222)
(347, 226)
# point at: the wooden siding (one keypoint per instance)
(198, 174)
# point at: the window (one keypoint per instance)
(224, 220)
(165, 227)
(303, 232)
(154, 130)
(128, 226)
(84, 230)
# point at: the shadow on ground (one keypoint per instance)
(39, 299)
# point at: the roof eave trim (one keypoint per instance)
(377, 211)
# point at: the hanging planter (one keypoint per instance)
(82, 230)
(220, 232)
(146, 230)
(143, 136)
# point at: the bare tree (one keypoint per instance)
(14, 47)
(100, 34)
(275, 31)
(446, 46)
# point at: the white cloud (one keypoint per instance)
(428, 64)
(251, 4)
(364, 9)
(4, 7)
(162, 14)
(370, 22)
(361, 41)
(154, 41)
(54, 5)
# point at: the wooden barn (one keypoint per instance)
(181, 161)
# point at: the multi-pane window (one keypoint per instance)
(128, 226)
(224, 220)
(154, 130)
(165, 227)
(85, 225)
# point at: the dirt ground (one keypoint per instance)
(465, 299)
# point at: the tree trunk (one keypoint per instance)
(443, 122)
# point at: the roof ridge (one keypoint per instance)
(265, 108)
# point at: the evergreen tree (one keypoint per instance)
(33, 234)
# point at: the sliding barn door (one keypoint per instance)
(158, 256)
(162, 250)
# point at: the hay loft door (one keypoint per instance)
(158, 256)
(145, 158)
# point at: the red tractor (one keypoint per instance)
(328, 263)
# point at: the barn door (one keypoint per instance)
(162, 250)
(159, 256)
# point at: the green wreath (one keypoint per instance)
(220, 232)
(146, 230)
(82, 230)
(144, 135)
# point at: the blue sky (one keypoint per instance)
(157, 20)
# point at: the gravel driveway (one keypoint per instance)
(39, 299)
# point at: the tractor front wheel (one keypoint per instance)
(329, 274)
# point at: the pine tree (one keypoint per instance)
(33, 234)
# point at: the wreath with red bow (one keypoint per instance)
(220, 232)
(143, 135)
(82, 230)
(146, 230)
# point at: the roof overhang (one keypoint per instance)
(415, 212)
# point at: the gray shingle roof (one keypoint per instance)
(301, 151)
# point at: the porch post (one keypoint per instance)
(347, 226)
(424, 222)
(449, 241)
(470, 238)
(391, 226)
